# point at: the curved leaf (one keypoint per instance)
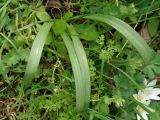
(82, 59)
(134, 38)
(76, 71)
(35, 54)
(80, 68)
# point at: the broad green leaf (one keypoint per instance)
(103, 108)
(19, 41)
(13, 57)
(87, 32)
(61, 48)
(42, 14)
(35, 54)
(67, 16)
(153, 25)
(134, 38)
(149, 71)
(49, 39)
(153, 69)
(90, 35)
(59, 26)
(82, 59)
(156, 59)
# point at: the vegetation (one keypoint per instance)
(79, 59)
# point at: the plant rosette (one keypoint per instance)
(145, 96)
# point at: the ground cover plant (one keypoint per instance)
(79, 59)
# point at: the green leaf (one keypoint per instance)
(87, 32)
(83, 63)
(3, 68)
(23, 54)
(59, 26)
(15, 2)
(134, 38)
(6, 38)
(128, 76)
(103, 108)
(122, 84)
(153, 25)
(5, 5)
(154, 68)
(90, 35)
(4, 18)
(35, 54)
(49, 39)
(155, 115)
(80, 68)
(42, 14)
(11, 58)
(76, 70)
(61, 49)
(67, 16)
(99, 115)
(156, 59)
(149, 71)
(19, 41)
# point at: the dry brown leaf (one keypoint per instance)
(54, 4)
(145, 33)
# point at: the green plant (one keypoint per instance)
(87, 58)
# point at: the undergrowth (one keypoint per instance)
(77, 60)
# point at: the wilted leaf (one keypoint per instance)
(145, 33)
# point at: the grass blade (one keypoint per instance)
(81, 56)
(128, 76)
(8, 40)
(99, 115)
(134, 38)
(5, 5)
(35, 54)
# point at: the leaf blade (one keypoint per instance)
(76, 70)
(35, 54)
(82, 58)
(134, 38)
